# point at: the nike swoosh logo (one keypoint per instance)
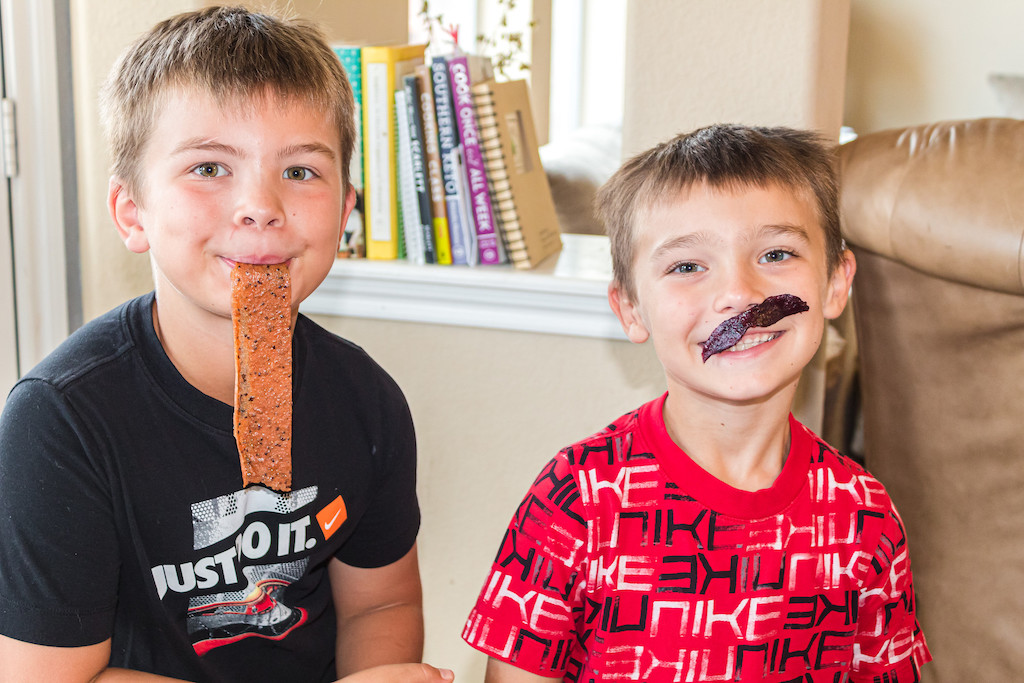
(328, 525)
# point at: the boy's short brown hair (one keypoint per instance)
(232, 53)
(724, 156)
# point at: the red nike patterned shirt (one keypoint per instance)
(627, 561)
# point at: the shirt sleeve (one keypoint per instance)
(529, 610)
(388, 528)
(59, 564)
(889, 644)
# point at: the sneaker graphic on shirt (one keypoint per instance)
(255, 613)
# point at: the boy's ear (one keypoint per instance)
(839, 285)
(125, 213)
(350, 203)
(628, 314)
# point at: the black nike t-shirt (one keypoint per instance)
(123, 513)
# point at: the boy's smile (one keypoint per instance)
(710, 254)
(729, 335)
(253, 181)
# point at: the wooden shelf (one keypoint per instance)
(567, 294)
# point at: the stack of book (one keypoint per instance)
(447, 166)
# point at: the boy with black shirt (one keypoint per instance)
(131, 548)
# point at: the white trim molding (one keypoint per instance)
(566, 294)
(32, 81)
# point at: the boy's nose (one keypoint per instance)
(739, 291)
(259, 207)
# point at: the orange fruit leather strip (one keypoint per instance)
(261, 317)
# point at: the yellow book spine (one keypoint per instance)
(383, 68)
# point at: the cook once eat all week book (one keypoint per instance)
(519, 186)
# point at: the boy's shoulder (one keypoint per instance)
(825, 456)
(837, 478)
(624, 443)
(327, 351)
(326, 359)
(317, 337)
(95, 344)
(619, 432)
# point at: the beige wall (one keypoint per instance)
(694, 63)
(491, 407)
(918, 61)
(99, 31)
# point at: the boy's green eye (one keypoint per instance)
(776, 255)
(298, 173)
(209, 170)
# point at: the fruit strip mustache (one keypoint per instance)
(768, 312)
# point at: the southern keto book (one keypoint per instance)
(460, 230)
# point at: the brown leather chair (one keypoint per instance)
(935, 215)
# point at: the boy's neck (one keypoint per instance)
(202, 351)
(742, 446)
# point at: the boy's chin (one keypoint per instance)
(739, 388)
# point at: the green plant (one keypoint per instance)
(502, 44)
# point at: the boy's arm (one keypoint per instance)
(382, 625)
(503, 672)
(27, 662)
(529, 617)
(20, 661)
(379, 612)
(889, 643)
(400, 673)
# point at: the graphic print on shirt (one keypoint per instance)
(610, 571)
(257, 543)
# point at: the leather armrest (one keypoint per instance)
(939, 199)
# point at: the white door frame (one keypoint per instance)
(8, 321)
(35, 35)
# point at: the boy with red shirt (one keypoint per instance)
(708, 535)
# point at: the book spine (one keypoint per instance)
(396, 204)
(381, 235)
(435, 181)
(419, 166)
(498, 181)
(468, 229)
(351, 58)
(408, 202)
(383, 67)
(448, 144)
(523, 204)
(488, 240)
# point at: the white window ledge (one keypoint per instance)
(566, 294)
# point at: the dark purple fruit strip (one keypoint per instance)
(768, 312)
